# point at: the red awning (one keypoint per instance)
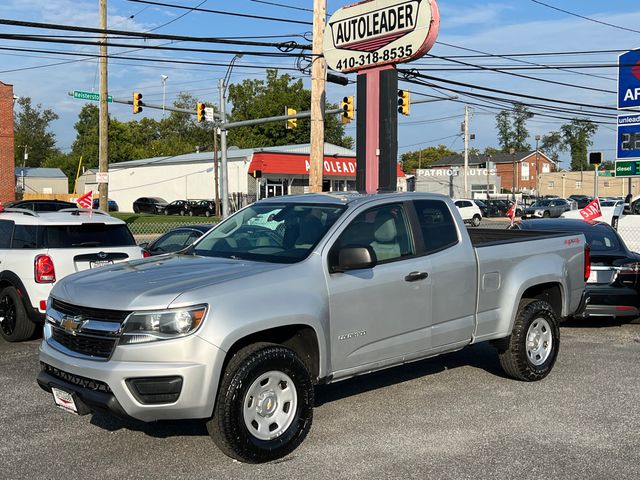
(272, 163)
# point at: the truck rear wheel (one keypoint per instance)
(15, 324)
(264, 407)
(531, 351)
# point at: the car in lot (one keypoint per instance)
(581, 200)
(469, 211)
(547, 208)
(113, 205)
(482, 206)
(176, 239)
(41, 205)
(295, 291)
(154, 205)
(203, 207)
(613, 285)
(496, 208)
(177, 207)
(37, 250)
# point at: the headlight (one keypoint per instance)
(540, 212)
(142, 327)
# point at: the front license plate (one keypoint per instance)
(64, 400)
(100, 263)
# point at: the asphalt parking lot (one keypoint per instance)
(451, 417)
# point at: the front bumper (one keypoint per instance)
(196, 362)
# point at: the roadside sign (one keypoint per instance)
(102, 177)
(628, 144)
(628, 168)
(380, 32)
(90, 96)
(208, 114)
(629, 80)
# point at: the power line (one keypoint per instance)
(585, 18)
(177, 18)
(302, 9)
(222, 12)
(529, 54)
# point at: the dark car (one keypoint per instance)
(482, 206)
(41, 205)
(176, 239)
(178, 207)
(149, 205)
(203, 207)
(113, 206)
(497, 208)
(581, 200)
(613, 287)
(549, 208)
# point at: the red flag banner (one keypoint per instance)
(591, 211)
(511, 213)
(85, 201)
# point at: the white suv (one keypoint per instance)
(37, 249)
(470, 211)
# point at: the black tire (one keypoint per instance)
(136, 209)
(227, 425)
(166, 212)
(513, 352)
(475, 221)
(546, 214)
(15, 325)
(207, 213)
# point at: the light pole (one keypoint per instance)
(224, 173)
(164, 91)
(537, 168)
(512, 152)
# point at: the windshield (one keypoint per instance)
(278, 233)
(480, 203)
(542, 203)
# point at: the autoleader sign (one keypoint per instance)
(379, 32)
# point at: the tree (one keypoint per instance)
(31, 131)
(425, 157)
(578, 136)
(512, 128)
(253, 99)
(552, 145)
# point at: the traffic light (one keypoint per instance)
(596, 158)
(137, 102)
(404, 102)
(292, 122)
(200, 112)
(347, 109)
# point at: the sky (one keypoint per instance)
(499, 27)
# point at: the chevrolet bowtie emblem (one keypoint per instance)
(72, 324)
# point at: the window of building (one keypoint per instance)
(525, 171)
(552, 184)
(578, 184)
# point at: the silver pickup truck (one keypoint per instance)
(291, 292)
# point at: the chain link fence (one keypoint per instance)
(149, 231)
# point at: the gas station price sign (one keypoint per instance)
(628, 136)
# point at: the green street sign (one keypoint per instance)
(628, 168)
(90, 96)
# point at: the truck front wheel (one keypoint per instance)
(531, 351)
(264, 407)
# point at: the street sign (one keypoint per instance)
(628, 145)
(629, 80)
(208, 114)
(628, 168)
(90, 96)
(380, 32)
(102, 177)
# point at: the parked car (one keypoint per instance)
(549, 208)
(496, 208)
(295, 291)
(469, 211)
(177, 207)
(113, 206)
(482, 206)
(37, 250)
(176, 239)
(613, 286)
(41, 205)
(203, 207)
(153, 205)
(581, 200)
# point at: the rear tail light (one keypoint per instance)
(587, 262)
(145, 254)
(45, 272)
(629, 274)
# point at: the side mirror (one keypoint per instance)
(355, 258)
(143, 245)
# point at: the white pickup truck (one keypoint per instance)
(296, 291)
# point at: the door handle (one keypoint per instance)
(416, 276)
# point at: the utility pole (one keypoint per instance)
(103, 158)
(215, 169)
(466, 152)
(224, 179)
(537, 168)
(318, 81)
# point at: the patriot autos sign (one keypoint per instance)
(380, 32)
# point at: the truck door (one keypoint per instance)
(382, 312)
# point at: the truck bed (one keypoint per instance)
(486, 237)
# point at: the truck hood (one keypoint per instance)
(153, 282)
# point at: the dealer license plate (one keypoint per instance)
(593, 277)
(64, 400)
(100, 263)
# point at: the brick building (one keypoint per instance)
(526, 166)
(7, 174)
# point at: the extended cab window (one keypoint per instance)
(6, 230)
(385, 229)
(436, 222)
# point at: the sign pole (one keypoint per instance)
(318, 83)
